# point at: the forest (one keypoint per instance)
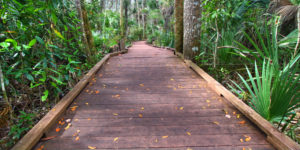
(249, 46)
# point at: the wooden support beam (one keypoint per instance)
(34, 135)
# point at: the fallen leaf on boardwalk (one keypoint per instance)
(116, 96)
(41, 148)
(234, 113)
(242, 122)
(203, 107)
(142, 85)
(100, 75)
(76, 133)
(238, 116)
(92, 147)
(89, 119)
(148, 89)
(61, 122)
(156, 140)
(207, 101)
(188, 133)
(241, 140)
(191, 92)
(164, 137)
(172, 79)
(53, 109)
(87, 103)
(181, 108)
(68, 126)
(73, 108)
(116, 139)
(225, 110)
(189, 149)
(248, 138)
(97, 92)
(216, 122)
(244, 148)
(87, 91)
(141, 115)
(48, 138)
(77, 138)
(126, 89)
(57, 129)
(115, 114)
(174, 88)
(76, 120)
(228, 116)
(68, 120)
(142, 108)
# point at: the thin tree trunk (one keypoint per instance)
(192, 26)
(84, 39)
(179, 25)
(87, 29)
(122, 25)
(144, 23)
(138, 12)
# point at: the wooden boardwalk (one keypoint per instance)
(149, 99)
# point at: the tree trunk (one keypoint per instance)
(143, 17)
(87, 29)
(138, 12)
(179, 25)
(192, 26)
(122, 25)
(84, 38)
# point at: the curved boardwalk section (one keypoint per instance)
(149, 99)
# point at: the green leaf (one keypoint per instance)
(58, 34)
(45, 96)
(29, 77)
(40, 40)
(32, 42)
(14, 42)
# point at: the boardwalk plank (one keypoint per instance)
(140, 97)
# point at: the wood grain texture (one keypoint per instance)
(33, 136)
(150, 99)
(278, 139)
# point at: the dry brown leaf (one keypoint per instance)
(92, 147)
(87, 91)
(191, 92)
(89, 119)
(142, 85)
(41, 148)
(174, 89)
(156, 140)
(126, 89)
(189, 149)
(248, 138)
(68, 126)
(241, 140)
(86, 103)
(238, 116)
(164, 137)
(57, 129)
(48, 138)
(116, 139)
(75, 119)
(141, 115)
(77, 138)
(242, 122)
(61, 122)
(142, 108)
(97, 92)
(216, 122)
(73, 108)
(234, 113)
(172, 79)
(203, 107)
(115, 114)
(207, 101)
(188, 133)
(181, 108)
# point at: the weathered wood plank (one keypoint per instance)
(33, 136)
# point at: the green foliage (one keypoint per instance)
(274, 94)
(24, 123)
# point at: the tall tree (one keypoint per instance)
(179, 25)
(122, 25)
(192, 26)
(82, 28)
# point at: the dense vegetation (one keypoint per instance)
(46, 46)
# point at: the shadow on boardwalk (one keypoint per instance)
(149, 99)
